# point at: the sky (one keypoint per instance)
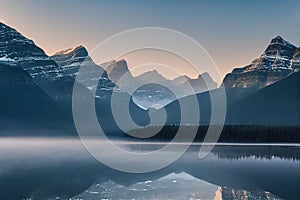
(233, 32)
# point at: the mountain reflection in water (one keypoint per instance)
(45, 168)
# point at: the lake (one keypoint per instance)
(61, 168)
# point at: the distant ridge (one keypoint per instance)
(154, 94)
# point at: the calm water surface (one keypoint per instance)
(45, 168)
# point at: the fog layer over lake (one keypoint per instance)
(46, 168)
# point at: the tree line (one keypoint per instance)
(230, 133)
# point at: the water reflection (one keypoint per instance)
(258, 152)
(50, 168)
(173, 186)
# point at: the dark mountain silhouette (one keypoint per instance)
(277, 104)
(25, 107)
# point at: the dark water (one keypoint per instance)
(49, 168)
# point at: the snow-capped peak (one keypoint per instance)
(15, 46)
(278, 60)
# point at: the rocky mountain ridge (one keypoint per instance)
(278, 60)
(155, 90)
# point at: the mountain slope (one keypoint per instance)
(71, 60)
(23, 52)
(296, 59)
(116, 69)
(25, 107)
(277, 61)
(17, 50)
(277, 104)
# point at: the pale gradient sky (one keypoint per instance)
(233, 32)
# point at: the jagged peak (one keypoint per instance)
(9, 34)
(116, 64)
(113, 63)
(204, 74)
(153, 73)
(78, 51)
(181, 78)
(6, 28)
(208, 80)
(279, 40)
(119, 61)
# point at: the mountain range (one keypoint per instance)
(36, 89)
(156, 90)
